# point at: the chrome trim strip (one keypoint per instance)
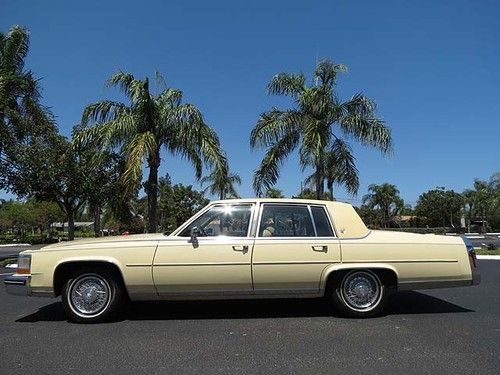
(202, 264)
(210, 206)
(312, 221)
(138, 265)
(403, 261)
(293, 262)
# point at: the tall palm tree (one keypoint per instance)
(315, 126)
(141, 129)
(221, 182)
(386, 198)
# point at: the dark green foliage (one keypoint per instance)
(178, 203)
(386, 200)
(440, 207)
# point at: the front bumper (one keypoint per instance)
(18, 285)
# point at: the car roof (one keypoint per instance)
(278, 200)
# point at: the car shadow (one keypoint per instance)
(408, 302)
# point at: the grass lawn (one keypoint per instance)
(487, 252)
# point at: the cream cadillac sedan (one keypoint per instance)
(247, 248)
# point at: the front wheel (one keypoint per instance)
(91, 297)
(359, 294)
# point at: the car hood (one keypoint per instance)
(103, 240)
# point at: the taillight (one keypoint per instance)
(24, 264)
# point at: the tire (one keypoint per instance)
(359, 294)
(91, 296)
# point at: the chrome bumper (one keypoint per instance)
(18, 285)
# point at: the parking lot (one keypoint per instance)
(442, 331)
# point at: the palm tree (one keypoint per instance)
(314, 126)
(22, 117)
(386, 198)
(221, 182)
(143, 127)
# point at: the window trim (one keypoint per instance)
(308, 205)
(327, 214)
(253, 209)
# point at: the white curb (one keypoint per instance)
(488, 257)
(15, 244)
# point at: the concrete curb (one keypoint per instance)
(488, 257)
(15, 244)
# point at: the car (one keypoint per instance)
(247, 248)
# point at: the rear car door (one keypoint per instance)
(294, 243)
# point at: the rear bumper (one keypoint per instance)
(18, 285)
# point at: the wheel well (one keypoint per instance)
(66, 270)
(387, 276)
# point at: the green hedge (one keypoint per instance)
(420, 230)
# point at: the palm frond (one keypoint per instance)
(15, 49)
(326, 71)
(286, 84)
(140, 147)
(273, 126)
(102, 111)
(267, 173)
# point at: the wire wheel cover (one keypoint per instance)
(361, 291)
(89, 295)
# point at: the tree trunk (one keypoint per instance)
(152, 192)
(320, 185)
(222, 195)
(97, 221)
(331, 193)
(70, 212)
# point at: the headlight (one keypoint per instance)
(24, 264)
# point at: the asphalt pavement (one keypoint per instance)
(449, 331)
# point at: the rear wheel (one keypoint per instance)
(92, 297)
(359, 294)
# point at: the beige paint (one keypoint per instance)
(171, 267)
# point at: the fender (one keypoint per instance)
(86, 259)
(329, 270)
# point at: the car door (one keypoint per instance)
(294, 243)
(217, 261)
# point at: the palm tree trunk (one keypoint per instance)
(152, 192)
(320, 185)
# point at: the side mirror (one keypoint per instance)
(194, 235)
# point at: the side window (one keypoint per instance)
(323, 227)
(222, 220)
(285, 221)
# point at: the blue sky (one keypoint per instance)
(431, 66)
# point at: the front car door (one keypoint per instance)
(218, 262)
(294, 243)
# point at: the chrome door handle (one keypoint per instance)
(322, 248)
(242, 248)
